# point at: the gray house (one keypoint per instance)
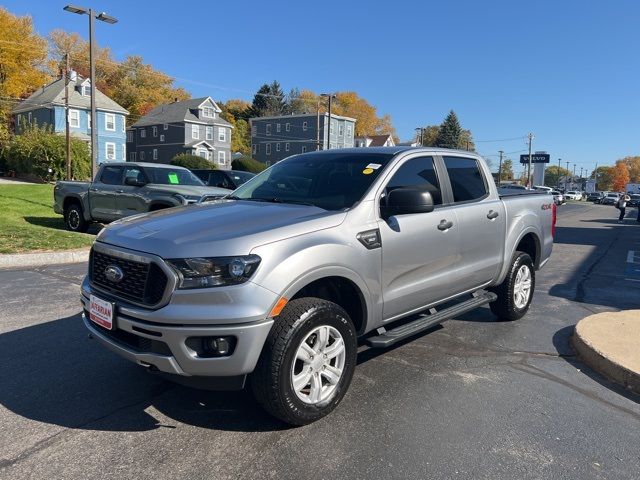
(191, 126)
(275, 138)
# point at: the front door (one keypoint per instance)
(131, 199)
(482, 222)
(419, 254)
(102, 194)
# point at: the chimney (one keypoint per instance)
(73, 75)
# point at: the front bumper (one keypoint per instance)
(163, 347)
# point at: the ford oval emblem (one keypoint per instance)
(113, 273)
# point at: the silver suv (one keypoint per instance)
(278, 282)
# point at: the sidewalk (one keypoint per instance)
(609, 343)
(19, 260)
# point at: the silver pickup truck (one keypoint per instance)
(279, 282)
(126, 188)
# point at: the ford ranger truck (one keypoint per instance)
(275, 286)
(121, 189)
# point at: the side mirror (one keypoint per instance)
(407, 200)
(133, 182)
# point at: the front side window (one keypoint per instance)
(135, 172)
(330, 182)
(418, 171)
(195, 132)
(466, 179)
(111, 175)
(110, 122)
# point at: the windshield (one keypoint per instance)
(328, 181)
(171, 176)
(240, 177)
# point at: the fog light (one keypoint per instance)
(218, 346)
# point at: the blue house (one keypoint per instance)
(46, 107)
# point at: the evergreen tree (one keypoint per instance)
(268, 101)
(450, 132)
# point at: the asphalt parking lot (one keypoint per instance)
(473, 398)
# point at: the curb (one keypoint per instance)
(596, 353)
(43, 258)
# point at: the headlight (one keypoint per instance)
(188, 199)
(214, 272)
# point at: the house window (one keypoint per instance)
(254, 130)
(124, 152)
(89, 121)
(287, 127)
(222, 157)
(278, 127)
(110, 148)
(340, 130)
(203, 153)
(74, 118)
(304, 149)
(268, 149)
(268, 129)
(86, 90)
(208, 112)
(30, 117)
(349, 130)
(304, 126)
(110, 122)
(165, 126)
(209, 133)
(143, 133)
(155, 153)
(124, 124)
(132, 156)
(222, 134)
(255, 149)
(195, 131)
(162, 138)
(142, 155)
(154, 131)
(278, 147)
(286, 147)
(330, 128)
(130, 136)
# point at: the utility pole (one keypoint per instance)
(418, 135)
(318, 126)
(558, 182)
(500, 168)
(529, 181)
(66, 115)
(329, 96)
(568, 173)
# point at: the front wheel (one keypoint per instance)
(74, 218)
(516, 291)
(307, 362)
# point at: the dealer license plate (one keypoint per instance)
(101, 312)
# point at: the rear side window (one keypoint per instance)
(419, 171)
(111, 175)
(466, 178)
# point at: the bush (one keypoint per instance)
(248, 164)
(41, 152)
(192, 162)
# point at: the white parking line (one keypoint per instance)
(631, 257)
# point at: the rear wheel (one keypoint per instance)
(516, 291)
(74, 218)
(307, 362)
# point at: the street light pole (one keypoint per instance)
(529, 181)
(92, 74)
(500, 168)
(558, 182)
(568, 173)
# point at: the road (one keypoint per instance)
(473, 398)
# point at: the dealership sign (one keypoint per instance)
(536, 158)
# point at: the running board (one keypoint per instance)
(427, 320)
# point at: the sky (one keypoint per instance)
(568, 71)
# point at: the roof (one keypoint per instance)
(178, 112)
(141, 164)
(393, 150)
(314, 115)
(53, 94)
(377, 140)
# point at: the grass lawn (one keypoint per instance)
(28, 223)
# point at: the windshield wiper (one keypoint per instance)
(280, 200)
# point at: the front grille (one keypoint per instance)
(142, 282)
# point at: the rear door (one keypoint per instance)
(418, 254)
(481, 221)
(102, 194)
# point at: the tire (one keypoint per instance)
(74, 218)
(272, 381)
(510, 304)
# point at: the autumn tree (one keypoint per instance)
(633, 164)
(236, 112)
(620, 176)
(553, 174)
(604, 178)
(507, 170)
(23, 56)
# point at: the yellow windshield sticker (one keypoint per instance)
(367, 171)
(173, 178)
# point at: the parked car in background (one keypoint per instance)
(229, 179)
(573, 195)
(558, 197)
(284, 278)
(635, 200)
(610, 198)
(595, 197)
(513, 186)
(123, 189)
(542, 188)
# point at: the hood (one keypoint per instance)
(215, 229)
(190, 190)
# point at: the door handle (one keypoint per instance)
(119, 191)
(492, 214)
(444, 225)
(93, 189)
